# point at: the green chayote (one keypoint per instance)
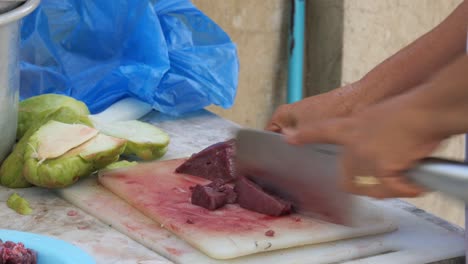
(11, 170)
(144, 140)
(37, 107)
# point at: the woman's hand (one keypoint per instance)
(382, 141)
(290, 118)
(377, 142)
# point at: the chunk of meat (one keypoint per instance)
(231, 195)
(216, 163)
(251, 196)
(16, 253)
(207, 197)
(213, 196)
(270, 233)
(221, 186)
(213, 162)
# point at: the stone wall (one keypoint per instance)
(259, 28)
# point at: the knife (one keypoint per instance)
(308, 176)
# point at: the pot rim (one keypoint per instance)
(19, 12)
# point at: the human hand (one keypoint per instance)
(289, 118)
(382, 141)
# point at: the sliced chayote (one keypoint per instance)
(78, 162)
(144, 140)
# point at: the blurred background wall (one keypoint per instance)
(344, 40)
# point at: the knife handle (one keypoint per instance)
(450, 177)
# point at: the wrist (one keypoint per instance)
(372, 89)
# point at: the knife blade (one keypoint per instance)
(308, 175)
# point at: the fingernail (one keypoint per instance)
(273, 128)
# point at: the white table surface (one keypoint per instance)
(55, 217)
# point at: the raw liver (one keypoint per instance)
(213, 162)
(216, 163)
(250, 196)
(213, 196)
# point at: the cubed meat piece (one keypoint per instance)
(213, 195)
(231, 195)
(251, 196)
(213, 162)
(207, 197)
(221, 186)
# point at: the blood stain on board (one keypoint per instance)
(72, 213)
(297, 219)
(161, 198)
(270, 233)
(269, 217)
(131, 182)
(173, 251)
(131, 227)
(174, 228)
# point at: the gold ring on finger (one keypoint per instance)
(366, 181)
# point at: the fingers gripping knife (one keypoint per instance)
(308, 176)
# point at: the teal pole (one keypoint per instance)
(296, 51)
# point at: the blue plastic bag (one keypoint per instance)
(166, 53)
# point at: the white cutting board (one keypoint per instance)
(229, 232)
(416, 240)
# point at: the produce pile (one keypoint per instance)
(58, 143)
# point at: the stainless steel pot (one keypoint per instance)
(7, 5)
(9, 72)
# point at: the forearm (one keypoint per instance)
(441, 104)
(415, 63)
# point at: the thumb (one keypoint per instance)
(281, 119)
(273, 127)
(332, 131)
